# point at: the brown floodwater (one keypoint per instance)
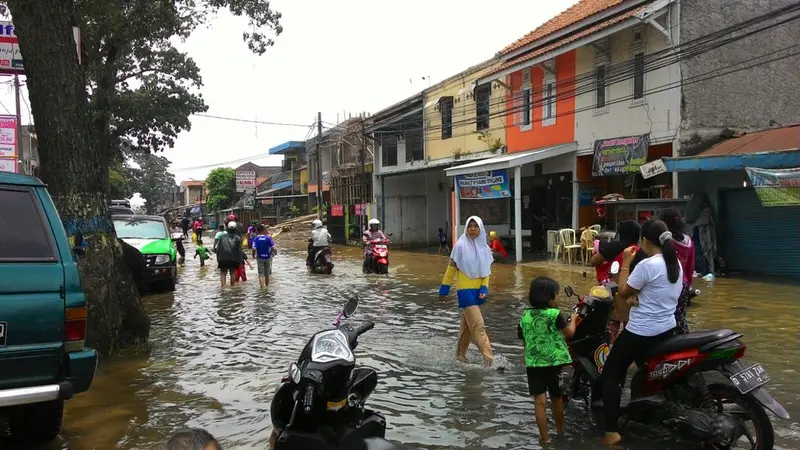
(217, 357)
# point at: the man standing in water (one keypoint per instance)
(193, 439)
(229, 254)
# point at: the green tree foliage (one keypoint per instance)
(221, 187)
(152, 179)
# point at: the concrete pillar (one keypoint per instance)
(457, 205)
(518, 212)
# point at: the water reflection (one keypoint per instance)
(217, 356)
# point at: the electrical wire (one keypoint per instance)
(259, 122)
(626, 70)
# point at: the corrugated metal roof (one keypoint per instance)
(774, 140)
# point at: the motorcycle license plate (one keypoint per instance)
(335, 406)
(750, 378)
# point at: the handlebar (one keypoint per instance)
(308, 400)
(364, 328)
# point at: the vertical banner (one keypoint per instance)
(619, 156)
(776, 187)
(492, 184)
(8, 144)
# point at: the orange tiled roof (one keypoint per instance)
(192, 183)
(571, 38)
(574, 14)
(774, 140)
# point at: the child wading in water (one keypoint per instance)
(543, 328)
(203, 253)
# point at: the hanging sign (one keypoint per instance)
(8, 144)
(337, 210)
(483, 185)
(654, 168)
(776, 187)
(619, 156)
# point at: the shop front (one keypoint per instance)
(611, 187)
(542, 192)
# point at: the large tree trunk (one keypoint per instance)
(76, 170)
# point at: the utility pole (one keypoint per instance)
(364, 184)
(319, 166)
(19, 131)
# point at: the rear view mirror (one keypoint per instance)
(569, 292)
(615, 268)
(351, 306)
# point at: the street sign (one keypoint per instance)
(245, 180)
(653, 168)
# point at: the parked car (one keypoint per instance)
(120, 211)
(43, 359)
(150, 235)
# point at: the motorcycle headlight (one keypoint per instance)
(161, 259)
(331, 345)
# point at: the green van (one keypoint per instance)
(43, 359)
(150, 235)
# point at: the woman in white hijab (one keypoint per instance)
(470, 264)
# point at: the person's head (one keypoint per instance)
(231, 226)
(543, 292)
(261, 229)
(221, 227)
(656, 238)
(492, 235)
(374, 224)
(628, 231)
(672, 218)
(316, 224)
(199, 245)
(474, 227)
(441, 230)
(192, 439)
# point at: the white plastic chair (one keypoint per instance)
(568, 243)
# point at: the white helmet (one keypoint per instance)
(231, 225)
(316, 224)
(375, 222)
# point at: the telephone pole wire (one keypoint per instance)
(319, 166)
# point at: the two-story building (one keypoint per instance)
(288, 186)
(583, 92)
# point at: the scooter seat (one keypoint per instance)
(689, 340)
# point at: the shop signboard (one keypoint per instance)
(776, 187)
(361, 209)
(10, 54)
(620, 156)
(491, 184)
(653, 168)
(8, 165)
(337, 210)
(245, 180)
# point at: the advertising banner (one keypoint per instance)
(10, 55)
(620, 156)
(337, 210)
(483, 185)
(8, 144)
(776, 187)
(245, 180)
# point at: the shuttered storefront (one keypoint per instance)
(757, 239)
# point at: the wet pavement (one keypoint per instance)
(217, 357)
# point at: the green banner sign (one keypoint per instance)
(776, 187)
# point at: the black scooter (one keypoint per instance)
(320, 403)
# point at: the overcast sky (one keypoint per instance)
(335, 57)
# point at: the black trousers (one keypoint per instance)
(628, 348)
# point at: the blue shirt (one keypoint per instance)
(263, 245)
(442, 238)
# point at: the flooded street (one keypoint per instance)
(217, 357)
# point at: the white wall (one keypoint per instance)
(657, 113)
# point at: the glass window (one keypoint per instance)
(638, 76)
(600, 82)
(526, 107)
(23, 233)
(446, 109)
(483, 94)
(140, 229)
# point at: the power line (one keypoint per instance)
(626, 70)
(259, 122)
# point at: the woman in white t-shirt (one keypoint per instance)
(657, 282)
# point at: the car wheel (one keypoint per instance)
(37, 423)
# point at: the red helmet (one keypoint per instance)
(232, 217)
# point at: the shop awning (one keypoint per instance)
(511, 160)
(769, 149)
(275, 187)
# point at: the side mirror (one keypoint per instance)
(615, 268)
(569, 292)
(351, 307)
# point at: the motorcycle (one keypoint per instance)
(320, 403)
(323, 261)
(379, 251)
(670, 388)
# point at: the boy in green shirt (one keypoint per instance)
(543, 328)
(201, 251)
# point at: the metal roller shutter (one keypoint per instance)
(758, 239)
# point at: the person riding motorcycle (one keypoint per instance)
(372, 233)
(320, 238)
